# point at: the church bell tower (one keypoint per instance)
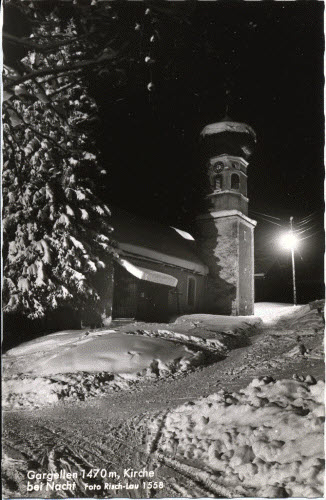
(225, 233)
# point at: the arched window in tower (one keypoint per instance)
(218, 182)
(235, 181)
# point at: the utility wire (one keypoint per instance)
(308, 219)
(313, 234)
(266, 215)
(305, 219)
(301, 224)
(310, 215)
(301, 231)
(271, 221)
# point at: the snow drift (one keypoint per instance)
(266, 440)
(109, 351)
(272, 312)
(78, 364)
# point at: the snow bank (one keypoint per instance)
(227, 126)
(217, 322)
(106, 351)
(271, 312)
(268, 313)
(78, 364)
(266, 440)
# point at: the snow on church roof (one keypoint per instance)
(227, 126)
(151, 240)
(184, 234)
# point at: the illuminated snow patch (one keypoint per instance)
(271, 312)
(81, 364)
(266, 440)
(184, 234)
(110, 351)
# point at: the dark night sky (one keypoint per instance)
(269, 56)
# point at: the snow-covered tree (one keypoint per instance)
(56, 230)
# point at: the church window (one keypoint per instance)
(235, 181)
(191, 295)
(218, 183)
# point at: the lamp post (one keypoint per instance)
(293, 266)
(290, 242)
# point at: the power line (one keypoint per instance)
(301, 231)
(266, 215)
(304, 224)
(310, 235)
(300, 226)
(308, 219)
(271, 221)
(310, 215)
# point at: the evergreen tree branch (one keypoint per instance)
(38, 84)
(37, 132)
(63, 88)
(43, 49)
(15, 165)
(58, 71)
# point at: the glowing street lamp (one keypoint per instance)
(290, 241)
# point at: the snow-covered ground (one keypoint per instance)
(102, 351)
(218, 322)
(271, 312)
(77, 364)
(267, 312)
(265, 440)
(81, 363)
(240, 433)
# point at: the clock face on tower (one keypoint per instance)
(218, 167)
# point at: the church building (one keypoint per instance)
(163, 271)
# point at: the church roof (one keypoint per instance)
(229, 137)
(150, 240)
(227, 125)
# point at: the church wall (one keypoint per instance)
(177, 301)
(246, 269)
(230, 201)
(178, 298)
(218, 241)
